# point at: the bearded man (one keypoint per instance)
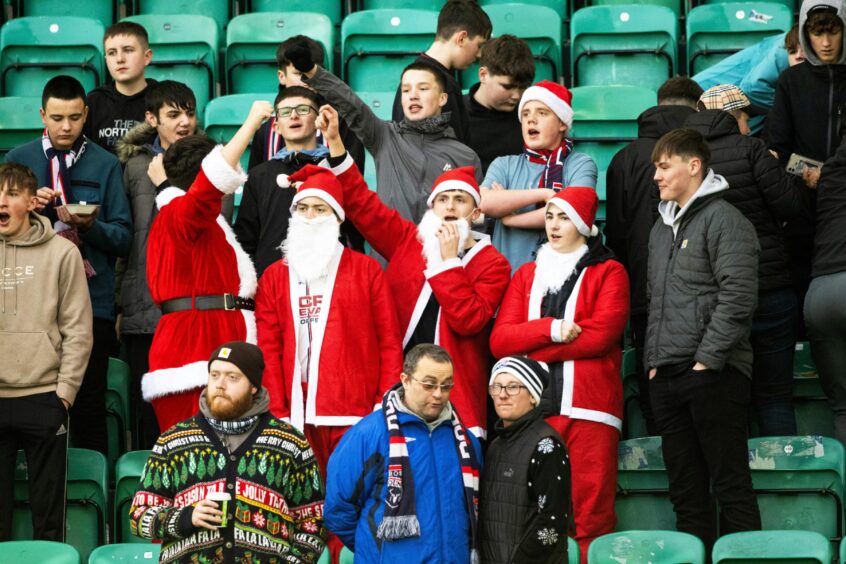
(232, 446)
(325, 321)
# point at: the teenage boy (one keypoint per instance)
(118, 106)
(410, 154)
(463, 27)
(516, 187)
(45, 319)
(507, 69)
(170, 116)
(72, 170)
(703, 285)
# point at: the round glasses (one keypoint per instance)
(510, 389)
(301, 110)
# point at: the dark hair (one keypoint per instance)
(686, 143)
(183, 159)
(63, 87)
(824, 20)
(317, 51)
(509, 56)
(463, 15)
(791, 39)
(19, 176)
(296, 92)
(424, 350)
(417, 65)
(170, 92)
(680, 90)
(128, 28)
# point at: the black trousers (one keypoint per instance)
(637, 330)
(39, 425)
(142, 418)
(702, 419)
(88, 413)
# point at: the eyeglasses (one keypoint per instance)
(510, 389)
(302, 110)
(430, 387)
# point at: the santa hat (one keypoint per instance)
(580, 204)
(318, 182)
(554, 95)
(463, 178)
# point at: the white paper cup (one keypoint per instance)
(222, 499)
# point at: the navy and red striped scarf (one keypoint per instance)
(553, 161)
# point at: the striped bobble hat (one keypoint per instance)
(532, 373)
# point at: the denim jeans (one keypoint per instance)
(825, 319)
(773, 338)
(702, 419)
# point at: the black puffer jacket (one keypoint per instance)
(632, 196)
(758, 186)
(830, 239)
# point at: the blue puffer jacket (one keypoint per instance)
(355, 493)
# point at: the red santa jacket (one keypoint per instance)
(468, 290)
(599, 304)
(356, 349)
(192, 251)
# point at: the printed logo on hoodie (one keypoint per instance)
(13, 275)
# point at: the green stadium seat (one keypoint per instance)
(377, 44)
(329, 8)
(117, 409)
(87, 487)
(380, 102)
(573, 553)
(799, 483)
(325, 557)
(655, 547)
(435, 5)
(134, 553)
(842, 559)
(225, 114)
(715, 31)
(184, 49)
(782, 547)
(346, 557)
(632, 44)
(42, 552)
(34, 50)
(20, 122)
(218, 10)
(252, 40)
(127, 474)
(674, 5)
(643, 496)
(103, 10)
(634, 425)
(790, 4)
(560, 7)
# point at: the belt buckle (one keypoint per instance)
(229, 302)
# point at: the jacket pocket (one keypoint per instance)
(85, 191)
(29, 359)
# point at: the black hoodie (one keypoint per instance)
(492, 133)
(111, 114)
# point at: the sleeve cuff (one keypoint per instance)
(342, 164)
(184, 526)
(220, 174)
(66, 392)
(555, 330)
(442, 267)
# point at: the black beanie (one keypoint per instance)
(246, 357)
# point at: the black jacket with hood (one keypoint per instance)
(111, 114)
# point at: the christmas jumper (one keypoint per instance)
(276, 510)
(192, 252)
(468, 290)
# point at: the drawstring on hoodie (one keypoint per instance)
(5, 285)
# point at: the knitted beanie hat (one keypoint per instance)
(247, 357)
(532, 373)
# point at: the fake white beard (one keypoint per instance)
(553, 267)
(310, 245)
(427, 234)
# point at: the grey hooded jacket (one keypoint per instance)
(702, 283)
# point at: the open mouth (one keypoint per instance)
(450, 218)
(414, 108)
(4, 218)
(554, 237)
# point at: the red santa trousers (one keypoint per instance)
(593, 472)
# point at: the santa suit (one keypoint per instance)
(591, 408)
(467, 289)
(191, 251)
(356, 353)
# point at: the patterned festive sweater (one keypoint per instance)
(276, 511)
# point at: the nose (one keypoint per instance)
(437, 392)
(311, 213)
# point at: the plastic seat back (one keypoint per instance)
(674, 5)
(632, 44)
(146, 553)
(643, 495)
(225, 114)
(34, 50)
(790, 4)
(43, 552)
(117, 409)
(185, 49)
(376, 45)
(20, 121)
(218, 10)
(329, 8)
(102, 10)
(794, 547)
(560, 7)
(127, 474)
(252, 40)
(655, 547)
(715, 31)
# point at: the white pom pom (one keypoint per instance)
(282, 181)
(594, 231)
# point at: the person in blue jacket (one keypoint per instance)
(403, 484)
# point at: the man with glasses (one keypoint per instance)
(402, 486)
(262, 220)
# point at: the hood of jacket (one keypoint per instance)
(654, 122)
(39, 232)
(137, 139)
(712, 124)
(810, 56)
(670, 212)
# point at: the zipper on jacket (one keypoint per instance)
(830, 110)
(437, 496)
(670, 263)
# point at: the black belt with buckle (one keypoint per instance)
(228, 302)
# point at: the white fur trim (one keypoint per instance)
(565, 206)
(166, 381)
(556, 104)
(555, 330)
(250, 322)
(448, 185)
(246, 269)
(283, 181)
(168, 195)
(220, 174)
(596, 416)
(323, 195)
(478, 432)
(342, 168)
(442, 267)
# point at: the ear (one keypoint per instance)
(33, 202)
(475, 215)
(85, 114)
(484, 74)
(460, 37)
(151, 119)
(562, 128)
(148, 56)
(253, 390)
(442, 99)
(43, 116)
(280, 74)
(405, 379)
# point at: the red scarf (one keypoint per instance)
(553, 172)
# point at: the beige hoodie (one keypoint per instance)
(45, 314)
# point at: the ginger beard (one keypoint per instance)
(311, 244)
(226, 408)
(427, 233)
